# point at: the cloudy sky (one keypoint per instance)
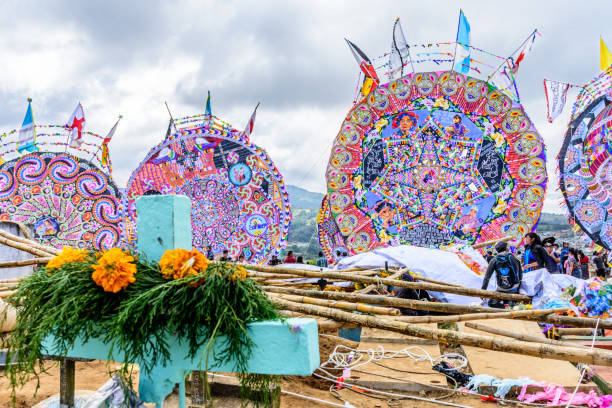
(128, 57)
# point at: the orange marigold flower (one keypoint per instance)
(179, 263)
(67, 255)
(239, 273)
(114, 271)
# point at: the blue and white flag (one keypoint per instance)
(27, 134)
(462, 53)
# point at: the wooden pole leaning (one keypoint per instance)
(439, 306)
(411, 285)
(590, 356)
(338, 304)
(521, 336)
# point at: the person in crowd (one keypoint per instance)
(209, 253)
(600, 264)
(345, 254)
(557, 254)
(564, 255)
(274, 261)
(338, 256)
(290, 258)
(321, 261)
(584, 264)
(300, 259)
(225, 257)
(552, 262)
(535, 255)
(508, 273)
(240, 258)
(572, 264)
(489, 256)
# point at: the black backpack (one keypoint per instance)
(507, 275)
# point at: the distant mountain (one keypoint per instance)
(302, 199)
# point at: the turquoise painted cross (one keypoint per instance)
(164, 222)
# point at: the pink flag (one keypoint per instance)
(249, 127)
(76, 123)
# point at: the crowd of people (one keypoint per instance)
(540, 253)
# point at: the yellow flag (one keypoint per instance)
(605, 59)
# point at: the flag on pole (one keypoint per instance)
(27, 134)
(111, 133)
(208, 108)
(76, 123)
(399, 48)
(605, 58)
(462, 51)
(249, 127)
(364, 62)
(522, 52)
(556, 95)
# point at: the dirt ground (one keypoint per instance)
(90, 376)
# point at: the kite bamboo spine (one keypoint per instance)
(590, 356)
(32, 243)
(24, 247)
(480, 316)
(452, 308)
(335, 304)
(520, 336)
(491, 242)
(26, 262)
(410, 285)
(565, 331)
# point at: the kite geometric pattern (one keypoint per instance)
(239, 200)
(67, 200)
(432, 158)
(585, 161)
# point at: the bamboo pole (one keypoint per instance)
(52, 251)
(520, 336)
(439, 306)
(565, 331)
(33, 261)
(420, 278)
(359, 307)
(6, 294)
(384, 300)
(370, 288)
(23, 247)
(590, 356)
(323, 324)
(481, 316)
(12, 280)
(415, 285)
(492, 242)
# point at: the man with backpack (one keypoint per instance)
(508, 273)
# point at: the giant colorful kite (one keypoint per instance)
(63, 191)
(239, 200)
(432, 158)
(585, 162)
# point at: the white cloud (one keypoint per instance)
(128, 58)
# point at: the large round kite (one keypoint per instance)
(239, 200)
(65, 194)
(433, 158)
(585, 161)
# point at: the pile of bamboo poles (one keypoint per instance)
(335, 309)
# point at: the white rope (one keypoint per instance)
(585, 367)
(352, 358)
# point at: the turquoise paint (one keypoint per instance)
(353, 334)
(164, 222)
(289, 348)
